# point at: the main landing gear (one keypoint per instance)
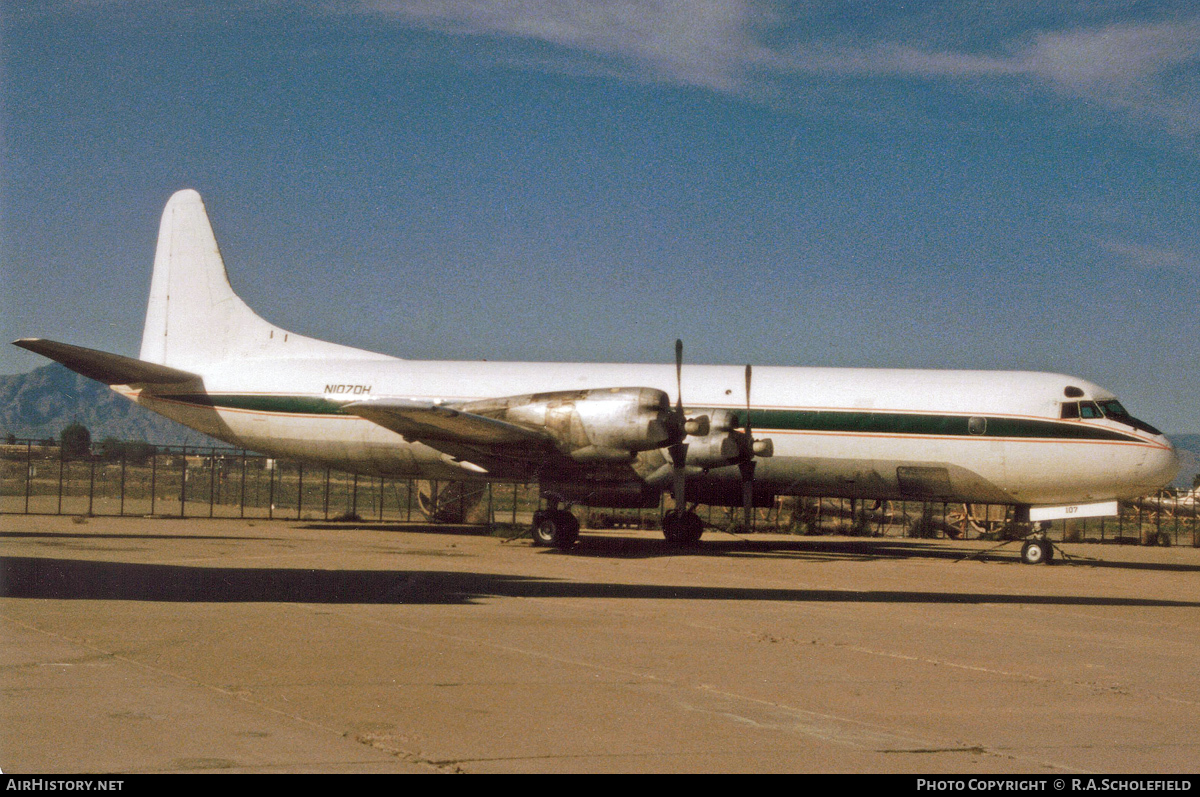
(682, 528)
(558, 528)
(555, 527)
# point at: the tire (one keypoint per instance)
(1036, 552)
(682, 529)
(555, 527)
(541, 531)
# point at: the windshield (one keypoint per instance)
(1113, 409)
(1107, 408)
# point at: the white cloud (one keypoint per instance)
(1115, 57)
(1152, 257)
(1149, 70)
(695, 42)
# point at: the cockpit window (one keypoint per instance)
(1108, 408)
(1114, 410)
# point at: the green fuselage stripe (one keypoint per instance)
(908, 423)
(288, 405)
(833, 421)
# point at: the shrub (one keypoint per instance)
(76, 441)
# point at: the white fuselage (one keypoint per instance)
(836, 431)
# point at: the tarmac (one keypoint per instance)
(131, 645)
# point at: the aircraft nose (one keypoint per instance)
(1162, 465)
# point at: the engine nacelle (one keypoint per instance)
(714, 450)
(723, 443)
(591, 426)
(718, 444)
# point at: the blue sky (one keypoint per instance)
(932, 185)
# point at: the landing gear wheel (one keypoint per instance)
(682, 529)
(555, 527)
(1037, 551)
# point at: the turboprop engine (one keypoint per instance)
(721, 444)
(603, 425)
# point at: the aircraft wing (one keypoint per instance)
(433, 423)
(111, 369)
(497, 446)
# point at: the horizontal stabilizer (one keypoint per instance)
(111, 369)
(432, 422)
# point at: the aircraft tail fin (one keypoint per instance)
(194, 318)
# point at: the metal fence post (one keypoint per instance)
(61, 465)
(300, 491)
(1158, 520)
(183, 483)
(121, 511)
(212, 479)
(153, 478)
(91, 483)
(242, 497)
(28, 472)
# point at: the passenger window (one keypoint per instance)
(977, 425)
(1070, 409)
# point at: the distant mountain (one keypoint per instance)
(43, 402)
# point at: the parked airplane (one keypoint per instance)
(610, 434)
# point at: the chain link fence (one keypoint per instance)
(142, 480)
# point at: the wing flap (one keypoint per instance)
(433, 423)
(111, 369)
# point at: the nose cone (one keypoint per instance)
(1161, 466)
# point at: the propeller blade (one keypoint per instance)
(679, 450)
(679, 370)
(748, 374)
(679, 487)
(747, 467)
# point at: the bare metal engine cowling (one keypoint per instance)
(602, 425)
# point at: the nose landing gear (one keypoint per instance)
(1037, 550)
